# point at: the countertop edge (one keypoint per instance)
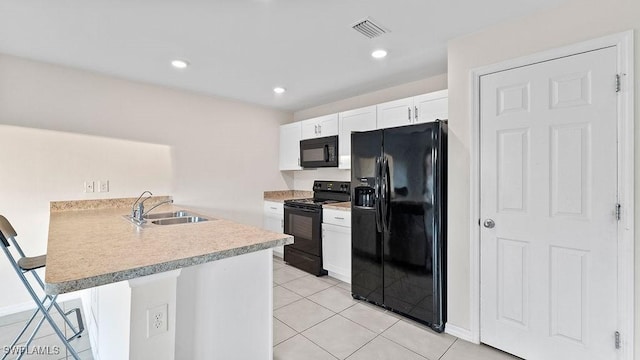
(343, 206)
(280, 196)
(104, 279)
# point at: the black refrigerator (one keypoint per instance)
(398, 239)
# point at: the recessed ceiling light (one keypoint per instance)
(279, 90)
(379, 54)
(180, 64)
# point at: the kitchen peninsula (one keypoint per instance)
(212, 280)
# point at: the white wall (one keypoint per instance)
(576, 21)
(224, 153)
(303, 179)
(42, 165)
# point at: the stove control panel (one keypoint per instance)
(332, 186)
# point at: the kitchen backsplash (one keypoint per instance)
(303, 180)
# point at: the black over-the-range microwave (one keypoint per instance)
(319, 152)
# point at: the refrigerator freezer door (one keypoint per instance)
(366, 240)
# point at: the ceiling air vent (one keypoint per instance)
(369, 28)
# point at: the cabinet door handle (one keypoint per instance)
(319, 129)
(416, 112)
(338, 218)
(409, 114)
(315, 129)
(273, 208)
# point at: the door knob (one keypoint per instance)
(489, 224)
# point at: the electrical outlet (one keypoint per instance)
(88, 186)
(103, 186)
(157, 318)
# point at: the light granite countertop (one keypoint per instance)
(97, 245)
(344, 206)
(282, 195)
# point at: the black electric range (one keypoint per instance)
(303, 220)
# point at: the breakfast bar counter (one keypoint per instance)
(91, 243)
(192, 290)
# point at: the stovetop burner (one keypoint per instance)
(325, 192)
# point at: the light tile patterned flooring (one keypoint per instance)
(316, 318)
(46, 345)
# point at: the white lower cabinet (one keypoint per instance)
(336, 243)
(273, 220)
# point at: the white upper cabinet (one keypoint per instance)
(363, 119)
(395, 113)
(320, 127)
(431, 107)
(413, 110)
(290, 135)
(408, 111)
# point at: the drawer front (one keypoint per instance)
(336, 217)
(273, 208)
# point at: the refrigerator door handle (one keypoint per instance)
(388, 197)
(378, 202)
(386, 192)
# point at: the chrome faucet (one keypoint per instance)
(153, 207)
(137, 213)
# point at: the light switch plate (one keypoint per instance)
(89, 187)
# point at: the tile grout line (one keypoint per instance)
(395, 342)
(404, 347)
(449, 348)
(304, 298)
(318, 345)
(379, 335)
(365, 344)
(339, 314)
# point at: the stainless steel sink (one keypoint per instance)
(167, 218)
(179, 220)
(179, 213)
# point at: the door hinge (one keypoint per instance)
(618, 211)
(617, 337)
(617, 83)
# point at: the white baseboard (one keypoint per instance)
(340, 277)
(30, 305)
(17, 308)
(461, 333)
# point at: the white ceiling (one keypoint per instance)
(241, 49)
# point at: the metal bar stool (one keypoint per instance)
(26, 265)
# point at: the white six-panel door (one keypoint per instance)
(548, 182)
